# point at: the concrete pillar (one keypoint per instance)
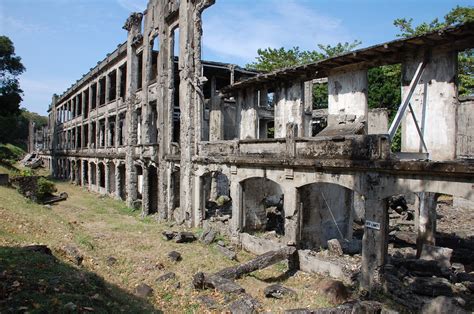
(248, 114)
(237, 215)
(107, 179)
(291, 218)
(434, 102)
(97, 177)
(347, 87)
(374, 243)
(216, 119)
(425, 212)
(289, 108)
(308, 108)
(107, 88)
(89, 175)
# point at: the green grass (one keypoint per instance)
(38, 283)
(11, 152)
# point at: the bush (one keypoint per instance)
(44, 188)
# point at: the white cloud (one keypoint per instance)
(234, 31)
(133, 5)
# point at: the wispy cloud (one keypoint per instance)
(133, 5)
(236, 31)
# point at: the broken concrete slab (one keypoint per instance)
(185, 237)
(278, 291)
(143, 290)
(436, 253)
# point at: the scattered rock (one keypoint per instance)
(432, 286)
(244, 305)
(335, 247)
(278, 291)
(208, 236)
(111, 261)
(73, 254)
(334, 290)
(143, 290)
(185, 237)
(169, 235)
(174, 256)
(177, 285)
(436, 253)
(220, 243)
(208, 302)
(43, 249)
(442, 305)
(227, 252)
(70, 306)
(165, 277)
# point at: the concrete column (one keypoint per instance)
(308, 108)
(374, 243)
(289, 108)
(89, 175)
(237, 215)
(97, 177)
(216, 120)
(434, 102)
(290, 207)
(425, 212)
(248, 114)
(347, 100)
(107, 179)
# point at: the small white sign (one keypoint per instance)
(372, 225)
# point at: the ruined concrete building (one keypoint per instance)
(207, 143)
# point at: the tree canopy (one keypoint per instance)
(10, 68)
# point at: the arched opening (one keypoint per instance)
(123, 190)
(139, 171)
(101, 175)
(262, 205)
(216, 201)
(152, 190)
(85, 169)
(325, 214)
(93, 168)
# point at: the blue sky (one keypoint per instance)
(60, 40)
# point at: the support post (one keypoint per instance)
(426, 226)
(374, 243)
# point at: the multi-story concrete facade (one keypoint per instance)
(206, 143)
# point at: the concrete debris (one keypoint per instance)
(278, 291)
(143, 290)
(174, 256)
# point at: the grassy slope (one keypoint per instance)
(101, 227)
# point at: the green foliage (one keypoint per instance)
(270, 59)
(456, 16)
(384, 88)
(10, 152)
(14, 127)
(26, 173)
(44, 188)
(10, 68)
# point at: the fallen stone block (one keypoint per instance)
(111, 261)
(436, 253)
(174, 256)
(208, 236)
(278, 291)
(208, 302)
(143, 290)
(169, 235)
(203, 281)
(227, 252)
(185, 237)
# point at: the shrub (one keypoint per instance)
(44, 188)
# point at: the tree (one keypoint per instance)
(456, 16)
(10, 68)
